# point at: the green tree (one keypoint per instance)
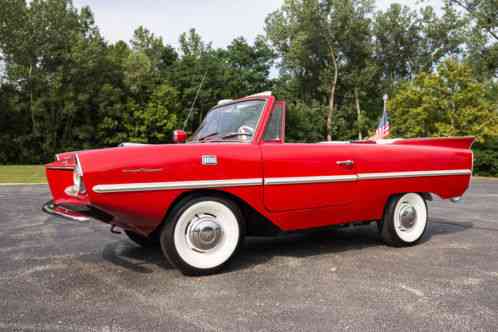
(206, 75)
(156, 121)
(160, 55)
(484, 12)
(248, 66)
(408, 42)
(55, 56)
(449, 102)
(397, 36)
(298, 36)
(199, 76)
(62, 87)
(324, 46)
(304, 122)
(482, 35)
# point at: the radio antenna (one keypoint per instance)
(193, 102)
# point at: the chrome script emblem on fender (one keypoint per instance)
(209, 160)
(142, 170)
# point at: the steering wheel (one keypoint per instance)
(246, 130)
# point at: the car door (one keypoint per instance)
(306, 176)
(301, 176)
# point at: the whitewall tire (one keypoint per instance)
(405, 220)
(202, 234)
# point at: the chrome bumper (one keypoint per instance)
(65, 212)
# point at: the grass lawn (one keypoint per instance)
(22, 174)
(36, 174)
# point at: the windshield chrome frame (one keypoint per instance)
(253, 137)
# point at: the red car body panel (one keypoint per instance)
(145, 210)
(294, 186)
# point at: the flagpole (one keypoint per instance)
(378, 132)
(358, 112)
(385, 111)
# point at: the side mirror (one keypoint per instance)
(179, 136)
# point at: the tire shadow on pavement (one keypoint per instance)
(135, 258)
(259, 250)
(331, 241)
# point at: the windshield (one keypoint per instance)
(237, 121)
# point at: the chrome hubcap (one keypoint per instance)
(203, 233)
(407, 216)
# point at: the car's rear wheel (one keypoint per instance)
(202, 234)
(143, 241)
(405, 220)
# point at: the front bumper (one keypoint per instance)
(80, 213)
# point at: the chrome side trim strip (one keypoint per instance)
(202, 184)
(310, 179)
(396, 175)
(64, 168)
(364, 176)
(110, 188)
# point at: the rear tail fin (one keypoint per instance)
(464, 142)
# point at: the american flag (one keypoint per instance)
(383, 127)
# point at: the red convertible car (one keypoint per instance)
(237, 176)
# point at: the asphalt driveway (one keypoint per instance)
(59, 275)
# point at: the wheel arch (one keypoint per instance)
(254, 222)
(428, 196)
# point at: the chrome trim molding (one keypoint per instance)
(363, 176)
(412, 174)
(261, 94)
(63, 168)
(141, 170)
(203, 184)
(127, 144)
(71, 191)
(78, 164)
(311, 179)
(110, 188)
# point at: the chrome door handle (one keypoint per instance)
(345, 163)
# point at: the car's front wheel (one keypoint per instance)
(405, 220)
(202, 234)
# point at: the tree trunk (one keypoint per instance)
(332, 97)
(30, 82)
(358, 111)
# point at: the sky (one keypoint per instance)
(217, 21)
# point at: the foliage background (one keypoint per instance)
(64, 87)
